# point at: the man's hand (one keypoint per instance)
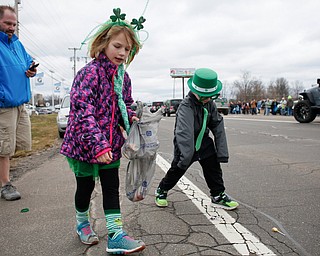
(30, 73)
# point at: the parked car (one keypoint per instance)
(308, 106)
(30, 109)
(171, 106)
(43, 111)
(63, 114)
(222, 105)
(155, 106)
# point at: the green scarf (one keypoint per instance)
(204, 125)
(118, 83)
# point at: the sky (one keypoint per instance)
(269, 39)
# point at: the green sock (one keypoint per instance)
(82, 216)
(114, 222)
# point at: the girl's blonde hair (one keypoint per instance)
(102, 40)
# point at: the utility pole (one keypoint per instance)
(86, 59)
(52, 103)
(16, 2)
(74, 59)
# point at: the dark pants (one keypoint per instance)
(211, 170)
(109, 179)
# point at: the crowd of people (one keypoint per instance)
(266, 107)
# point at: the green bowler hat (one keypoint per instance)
(205, 83)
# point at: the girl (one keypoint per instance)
(99, 108)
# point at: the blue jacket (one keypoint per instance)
(14, 61)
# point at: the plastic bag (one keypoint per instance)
(139, 177)
(140, 148)
(132, 145)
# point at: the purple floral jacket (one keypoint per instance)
(94, 117)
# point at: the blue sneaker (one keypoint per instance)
(86, 234)
(121, 243)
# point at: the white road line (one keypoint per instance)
(241, 238)
(261, 120)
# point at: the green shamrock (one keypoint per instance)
(117, 15)
(137, 24)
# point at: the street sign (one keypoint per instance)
(181, 72)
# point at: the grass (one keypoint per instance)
(44, 134)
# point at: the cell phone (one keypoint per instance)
(32, 68)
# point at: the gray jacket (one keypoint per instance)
(189, 118)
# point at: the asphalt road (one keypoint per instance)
(273, 172)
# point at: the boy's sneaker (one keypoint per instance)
(161, 197)
(9, 192)
(121, 243)
(86, 234)
(224, 201)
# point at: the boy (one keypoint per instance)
(196, 116)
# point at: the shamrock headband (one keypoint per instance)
(118, 19)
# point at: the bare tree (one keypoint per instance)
(232, 92)
(296, 88)
(278, 89)
(225, 90)
(248, 88)
(282, 87)
(258, 90)
(271, 90)
(244, 86)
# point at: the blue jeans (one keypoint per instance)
(266, 111)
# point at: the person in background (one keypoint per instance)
(15, 126)
(100, 101)
(253, 106)
(259, 104)
(274, 107)
(283, 105)
(197, 115)
(267, 107)
(289, 105)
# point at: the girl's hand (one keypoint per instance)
(105, 158)
(134, 118)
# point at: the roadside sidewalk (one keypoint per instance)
(48, 228)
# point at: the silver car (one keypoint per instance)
(63, 114)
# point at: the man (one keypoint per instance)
(283, 104)
(197, 115)
(289, 105)
(15, 127)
